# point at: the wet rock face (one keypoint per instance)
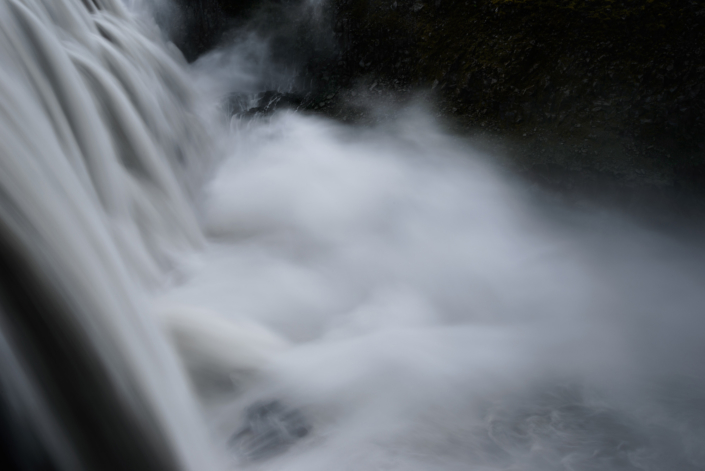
(599, 91)
(592, 74)
(298, 33)
(590, 89)
(261, 104)
(270, 428)
(195, 26)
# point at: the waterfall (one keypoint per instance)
(287, 292)
(100, 157)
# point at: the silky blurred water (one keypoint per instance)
(439, 313)
(286, 292)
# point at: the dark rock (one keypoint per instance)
(270, 428)
(196, 26)
(629, 68)
(260, 104)
(535, 73)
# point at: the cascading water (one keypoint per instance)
(98, 153)
(331, 298)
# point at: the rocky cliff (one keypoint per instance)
(579, 90)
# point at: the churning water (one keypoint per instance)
(289, 293)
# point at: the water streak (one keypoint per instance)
(330, 298)
(99, 153)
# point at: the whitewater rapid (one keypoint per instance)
(439, 313)
(188, 290)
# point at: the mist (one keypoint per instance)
(440, 312)
(192, 285)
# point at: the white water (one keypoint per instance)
(98, 151)
(420, 308)
(439, 318)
